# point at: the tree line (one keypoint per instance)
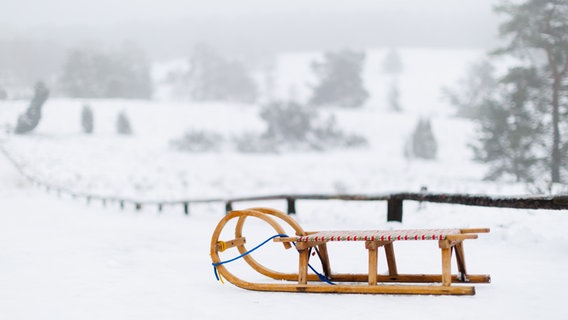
(125, 72)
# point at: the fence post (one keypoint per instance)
(291, 205)
(228, 206)
(394, 210)
(186, 208)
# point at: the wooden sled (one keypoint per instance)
(449, 241)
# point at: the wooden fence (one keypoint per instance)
(395, 201)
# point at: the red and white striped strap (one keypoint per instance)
(378, 235)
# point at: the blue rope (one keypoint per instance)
(215, 264)
(321, 276)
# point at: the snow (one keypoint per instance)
(62, 258)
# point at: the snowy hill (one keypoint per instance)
(63, 259)
(143, 166)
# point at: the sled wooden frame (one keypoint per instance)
(449, 241)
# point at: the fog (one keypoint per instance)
(169, 27)
(36, 35)
(25, 13)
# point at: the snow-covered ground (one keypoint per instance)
(63, 259)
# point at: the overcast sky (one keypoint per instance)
(32, 13)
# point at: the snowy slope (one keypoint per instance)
(63, 259)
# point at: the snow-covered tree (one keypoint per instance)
(198, 141)
(340, 80)
(3, 94)
(392, 63)
(422, 142)
(92, 73)
(510, 129)
(87, 119)
(291, 125)
(470, 92)
(392, 66)
(393, 98)
(30, 119)
(540, 27)
(288, 121)
(212, 77)
(123, 124)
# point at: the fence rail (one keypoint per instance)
(395, 201)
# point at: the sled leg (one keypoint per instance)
(460, 258)
(373, 261)
(446, 248)
(324, 258)
(303, 267)
(391, 261)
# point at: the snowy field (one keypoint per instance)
(63, 259)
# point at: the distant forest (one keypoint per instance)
(31, 54)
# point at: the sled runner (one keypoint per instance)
(449, 241)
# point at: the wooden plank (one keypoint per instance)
(402, 278)
(406, 278)
(390, 289)
(461, 236)
(362, 289)
(475, 230)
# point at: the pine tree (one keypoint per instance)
(288, 121)
(291, 126)
(340, 80)
(392, 64)
(393, 98)
(3, 94)
(510, 134)
(541, 27)
(92, 73)
(213, 77)
(30, 119)
(423, 143)
(87, 119)
(471, 91)
(123, 124)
